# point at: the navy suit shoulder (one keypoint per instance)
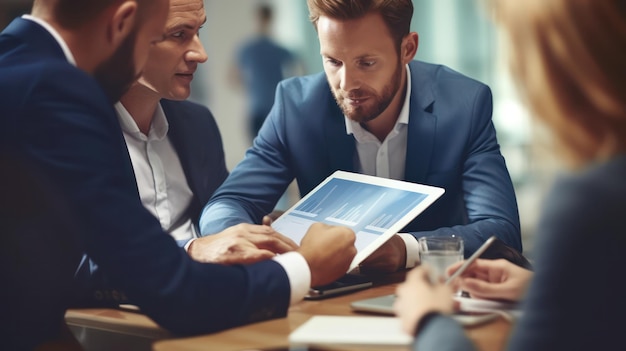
(66, 128)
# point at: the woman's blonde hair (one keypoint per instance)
(569, 60)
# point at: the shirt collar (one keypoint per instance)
(66, 50)
(158, 128)
(403, 117)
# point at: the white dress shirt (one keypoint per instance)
(164, 190)
(387, 159)
(161, 181)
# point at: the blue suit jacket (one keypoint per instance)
(59, 117)
(39, 252)
(451, 144)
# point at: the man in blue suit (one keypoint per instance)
(61, 68)
(176, 151)
(379, 112)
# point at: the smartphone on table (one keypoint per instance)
(347, 283)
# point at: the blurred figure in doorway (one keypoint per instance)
(261, 63)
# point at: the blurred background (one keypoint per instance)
(457, 33)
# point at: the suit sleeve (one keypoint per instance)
(487, 190)
(253, 188)
(576, 298)
(442, 333)
(71, 132)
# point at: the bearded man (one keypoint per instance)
(377, 111)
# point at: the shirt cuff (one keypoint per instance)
(298, 273)
(412, 250)
(188, 243)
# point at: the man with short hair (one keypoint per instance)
(62, 68)
(176, 146)
(56, 123)
(177, 156)
(378, 111)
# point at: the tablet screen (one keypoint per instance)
(375, 208)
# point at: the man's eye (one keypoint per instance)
(179, 34)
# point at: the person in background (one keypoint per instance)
(567, 57)
(260, 64)
(62, 68)
(377, 111)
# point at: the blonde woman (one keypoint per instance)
(568, 57)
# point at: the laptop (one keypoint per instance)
(375, 208)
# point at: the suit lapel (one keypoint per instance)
(192, 158)
(422, 125)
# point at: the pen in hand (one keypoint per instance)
(470, 260)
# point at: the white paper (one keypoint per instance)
(350, 330)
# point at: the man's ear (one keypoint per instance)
(409, 47)
(122, 22)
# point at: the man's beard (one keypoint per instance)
(117, 73)
(364, 113)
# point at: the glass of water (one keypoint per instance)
(438, 253)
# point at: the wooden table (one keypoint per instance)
(268, 335)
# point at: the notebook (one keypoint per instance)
(375, 208)
(350, 330)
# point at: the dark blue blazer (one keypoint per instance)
(39, 251)
(451, 144)
(59, 118)
(198, 143)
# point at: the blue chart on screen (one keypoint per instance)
(368, 209)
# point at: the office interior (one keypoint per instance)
(456, 33)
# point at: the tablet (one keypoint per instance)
(375, 208)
